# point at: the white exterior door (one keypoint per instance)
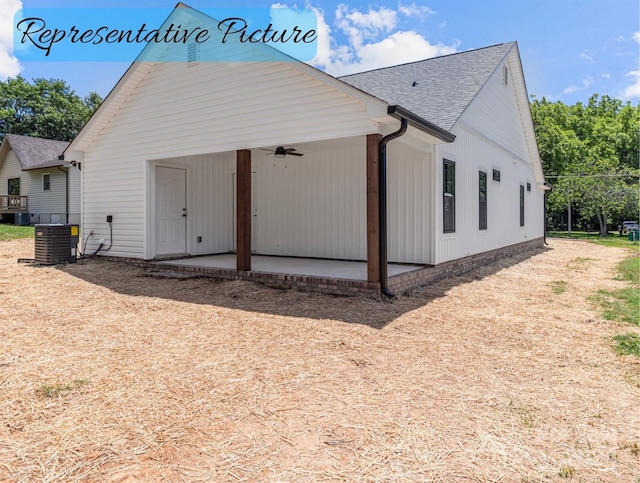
(171, 211)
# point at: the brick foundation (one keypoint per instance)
(398, 284)
(407, 281)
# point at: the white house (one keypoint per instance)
(35, 183)
(195, 158)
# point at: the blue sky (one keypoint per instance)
(570, 49)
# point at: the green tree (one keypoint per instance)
(590, 155)
(46, 108)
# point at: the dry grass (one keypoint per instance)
(107, 374)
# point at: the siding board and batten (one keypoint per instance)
(490, 135)
(147, 130)
(196, 116)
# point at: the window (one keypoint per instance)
(496, 175)
(521, 205)
(13, 187)
(449, 197)
(505, 75)
(528, 186)
(46, 182)
(482, 200)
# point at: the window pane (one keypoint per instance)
(449, 197)
(14, 186)
(521, 205)
(482, 200)
(46, 182)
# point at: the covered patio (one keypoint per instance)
(340, 277)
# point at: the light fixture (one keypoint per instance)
(280, 152)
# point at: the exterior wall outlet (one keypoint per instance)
(199, 239)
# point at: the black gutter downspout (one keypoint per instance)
(66, 173)
(546, 192)
(382, 203)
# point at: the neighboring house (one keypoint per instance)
(183, 156)
(34, 181)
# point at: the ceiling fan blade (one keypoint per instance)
(264, 149)
(295, 154)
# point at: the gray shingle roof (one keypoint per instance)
(34, 153)
(444, 85)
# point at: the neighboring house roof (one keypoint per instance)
(33, 153)
(438, 89)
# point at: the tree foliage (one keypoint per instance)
(590, 155)
(46, 108)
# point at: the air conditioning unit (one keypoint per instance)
(22, 219)
(56, 244)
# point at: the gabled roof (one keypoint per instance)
(431, 94)
(140, 68)
(437, 89)
(33, 153)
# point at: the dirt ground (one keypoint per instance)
(109, 374)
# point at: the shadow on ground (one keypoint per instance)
(248, 296)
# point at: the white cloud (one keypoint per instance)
(359, 26)
(9, 64)
(587, 57)
(606, 75)
(636, 36)
(586, 83)
(414, 10)
(634, 89)
(398, 48)
(371, 42)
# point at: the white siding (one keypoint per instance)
(315, 205)
(114, 186)
(74, 194)
(209, 203)
(494, 113)
(222, 107)
(47, 206)
(409, 204)
(471, 155)
(11, 169)
(178, 111)
(490, 135)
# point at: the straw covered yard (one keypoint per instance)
(110, 374)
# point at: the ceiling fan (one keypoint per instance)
(281, 152)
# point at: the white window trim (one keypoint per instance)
(43, 175)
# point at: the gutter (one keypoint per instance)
(406, 118)
(382, 203)
(66, 173)
(547, 190)
(421, 124)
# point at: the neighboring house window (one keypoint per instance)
(496, 175)
(13, 187)
(449, 196)
(521, 205)
(482, 199)
(46, 182)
